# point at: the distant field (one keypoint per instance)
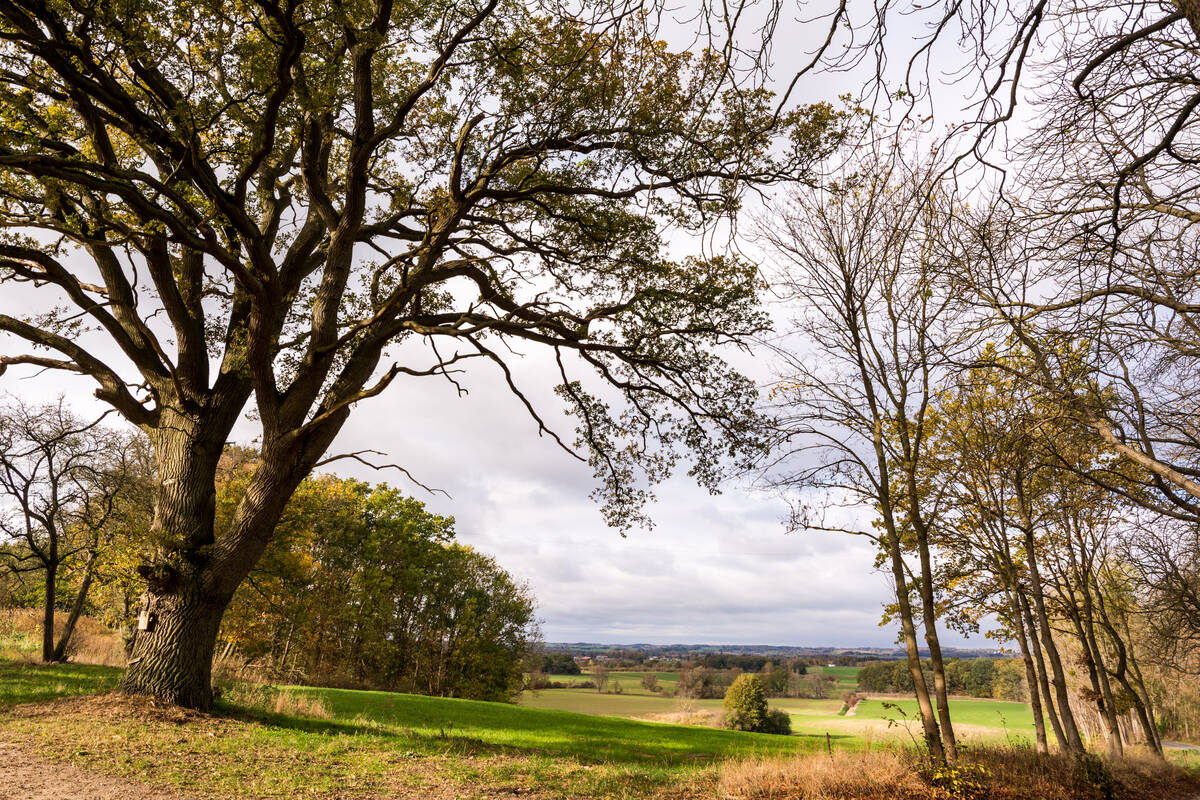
(847, 677)
(877, 720)
(631, 681)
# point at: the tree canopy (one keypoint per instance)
(288, 206)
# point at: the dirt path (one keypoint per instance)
(25, 775)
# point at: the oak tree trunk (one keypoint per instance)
(176, 633)
(193, 577)
(172, 657)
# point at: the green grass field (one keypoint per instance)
(367, 743)
(847, 677)
(631, 682)
(29, 683)
(336, 743)
(877, 719)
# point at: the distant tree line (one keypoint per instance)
(1003, 679)
(552, 664)
(777, 680)
(749, 663)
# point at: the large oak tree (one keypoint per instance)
(284, 206)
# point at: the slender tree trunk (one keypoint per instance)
(928, 720)
(929, 618)
(1043, 681)
(1097, 658)
(60, 650)
(1100, 689)
(1058, 676)
(1031, 680)
(1120, 672)
(1142, 693)
(1074, 742)
(48, 609)
(1080, 574)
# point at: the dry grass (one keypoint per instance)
(995, 773)
(91, 643)
(269, 699)
(301, 706)
(687, 712)
(882, 774)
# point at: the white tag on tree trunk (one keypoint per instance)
(143, 623)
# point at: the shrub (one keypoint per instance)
(964, 780)
(1091, 770)
(778, 721)
(746, 704)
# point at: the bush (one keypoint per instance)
(778, 721)
(1091, 770)
(746, 704)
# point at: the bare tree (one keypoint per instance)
(1101, 203)
(600, 677)
(60, 478)
(858, 383)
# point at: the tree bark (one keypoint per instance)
(172, 660)
(48, 610)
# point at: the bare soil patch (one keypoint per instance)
(29, 776)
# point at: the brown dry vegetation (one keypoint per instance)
(995, 773)
(91, 643)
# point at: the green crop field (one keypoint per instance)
(847, 677)
(588, 701)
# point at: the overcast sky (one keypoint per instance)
(716, 569)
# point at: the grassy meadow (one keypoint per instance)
(563, 744)
(878, 719)
(335, 743)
